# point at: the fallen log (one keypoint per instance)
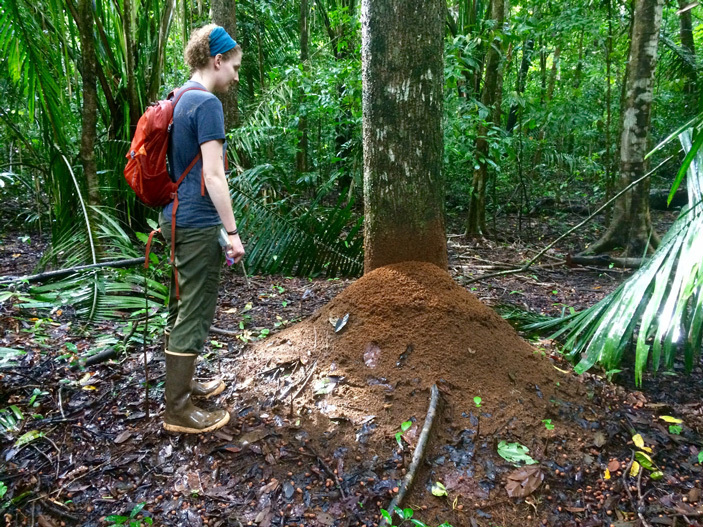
(62, 273)
(603, 260)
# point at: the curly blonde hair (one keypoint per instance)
(197, 53)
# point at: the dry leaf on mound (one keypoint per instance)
(524, 481)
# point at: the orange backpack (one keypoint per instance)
(146, 170)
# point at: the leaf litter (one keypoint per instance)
(111, 458)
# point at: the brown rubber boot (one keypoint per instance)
(205, 389)
(181, 414)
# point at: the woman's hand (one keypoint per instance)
(236, 250)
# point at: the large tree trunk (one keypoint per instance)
(301, 156)
(688, 45)
(89, 113)
(403, 80)
(490, 98)
(224, 13)
(631, 226)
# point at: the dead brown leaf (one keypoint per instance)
(46, 521)
(123, 436)
(269, 487)
(614, 465)
(524, 481)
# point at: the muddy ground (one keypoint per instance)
(312, 440)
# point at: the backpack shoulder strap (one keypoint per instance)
(175, 98)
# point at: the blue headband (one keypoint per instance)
(220, 41)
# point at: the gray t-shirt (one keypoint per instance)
(198, 118)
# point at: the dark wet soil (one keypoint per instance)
(82, 447)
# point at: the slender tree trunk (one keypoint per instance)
(89, 112)
(157, 66)
(688, 45)
(476, 223)
(186, 20)
(521, 81)
(542, 69)
(224, 13)
(631, 226)
(608, 106)
(579, 64)
(547, 94)
(342, 33)
(403, 80)
(301, 156)
(132, 97)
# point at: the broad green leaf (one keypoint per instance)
(137, 509)
(28, 437)
(116, 519)
(515, 453)
(644, 460)
(438, 489)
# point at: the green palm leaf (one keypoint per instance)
(318, 240)
(662, 303)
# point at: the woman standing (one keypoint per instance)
(202, 209)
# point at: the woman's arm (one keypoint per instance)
(216, 184)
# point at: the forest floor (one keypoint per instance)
(313, 437)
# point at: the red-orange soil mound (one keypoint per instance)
(410, 326)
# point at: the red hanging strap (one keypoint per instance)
(173, 223)
(148, 247)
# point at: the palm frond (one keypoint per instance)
(30, 59)
(319, 240)
(675, 59)
(661, 304)
(99, 294)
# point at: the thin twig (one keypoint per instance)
(244, 270)
(328, 470)
(63, 415)
(305, 382)
(418, 454)
(146, 329)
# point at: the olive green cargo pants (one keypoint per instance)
(198, 259)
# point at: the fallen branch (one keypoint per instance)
(418, 454)
(225, 332)
(61, 273)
